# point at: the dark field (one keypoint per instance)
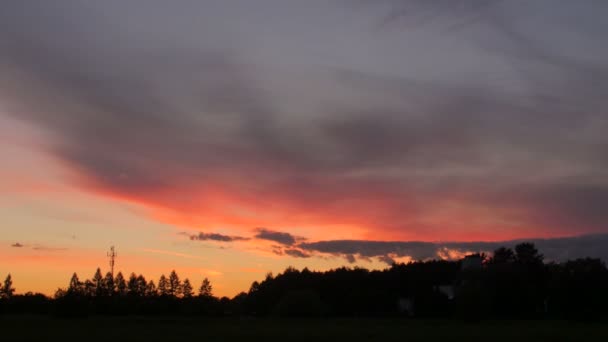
(253, 329)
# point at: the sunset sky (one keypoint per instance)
(231, 138)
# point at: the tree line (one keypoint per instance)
(512, 283)
(136, 286)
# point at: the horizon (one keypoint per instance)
(227, 139)
(443, 253)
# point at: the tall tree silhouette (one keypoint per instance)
(7, 289)
(187, 289)
(76, 287)
(141, 285)
(151, 290)
(175, 285)
(120, 284)
(132, 286)
(108, 284)
(163, 286)
(88, 288)
(206, 289)
(98, 283)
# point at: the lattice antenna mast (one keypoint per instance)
(112, 255)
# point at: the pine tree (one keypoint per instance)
(132, 285)
(163, 286)
(141, 285)
(75, 287)
(151, 290)
(7, 290)
(98, 283)
(187, 289)
(88, 288)
(206, 290)
(120, 284)
(174, 284)
(108, 284)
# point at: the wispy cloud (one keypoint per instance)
(209, 272)
(48, 249)
(216, 237)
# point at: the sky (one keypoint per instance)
(231, 138)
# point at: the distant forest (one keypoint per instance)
(512, 283)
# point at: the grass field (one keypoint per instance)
(16, 328)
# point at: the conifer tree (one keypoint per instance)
(175, 285)
(187, 289)
(108, 284)
(163, 286)
(141, 285)
(98, 283)
(7, 290)
(132, 288)
(151, 290)
(76, 287)
(206, 290)
(120, 284)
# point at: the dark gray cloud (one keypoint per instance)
(386, 130)
(271, 235)
(216, 237)
(556, 249)
(17, 245)
(363, 248)
(296, 253)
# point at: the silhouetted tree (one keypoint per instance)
(59, 293)
(187, 289)
(120, 285)
(527, 254)
(578, 289)
(98, 283)
(133, 286)
(163, 286)
(255, 286)
(75, 287)
(502, 255)
(300, 303)
(108, 284)
(88, 288)
(175, 285)
(7, 290)
(141, 285)
(206, 289)
(151, 290)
